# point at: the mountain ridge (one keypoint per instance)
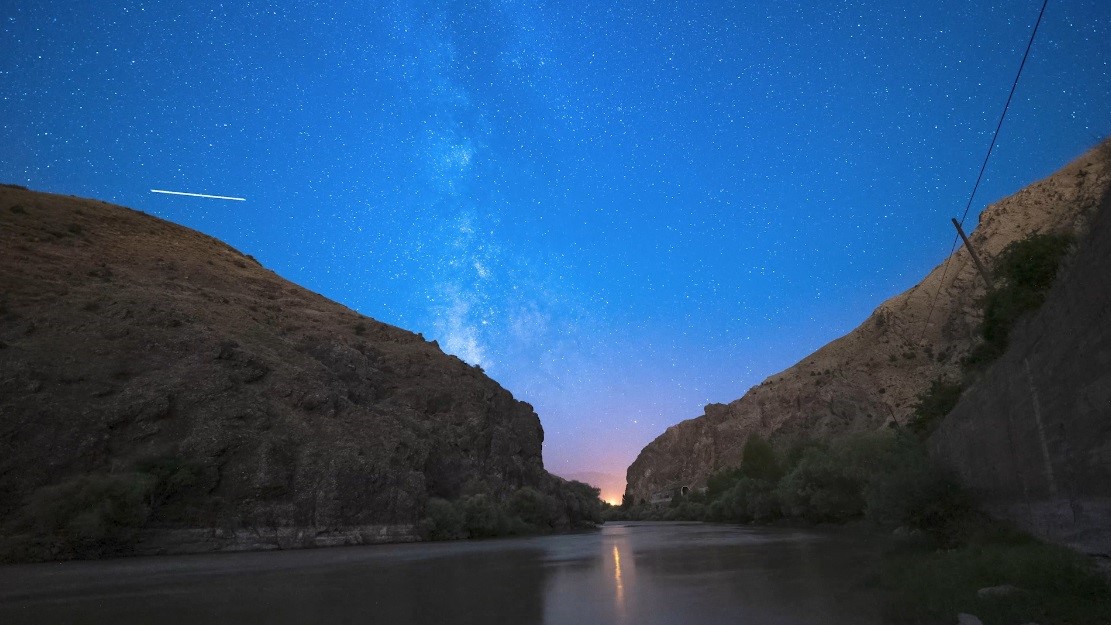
(873, 374)
(130, 344)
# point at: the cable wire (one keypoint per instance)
(984, 166)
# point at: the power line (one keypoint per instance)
(984, 166)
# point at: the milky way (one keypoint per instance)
(621, 211)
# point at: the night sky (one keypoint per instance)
(621, 211)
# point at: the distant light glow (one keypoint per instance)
(215, 197)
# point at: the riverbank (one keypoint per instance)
(182, 541)
(642, 574)
(996, 573)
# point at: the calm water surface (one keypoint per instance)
(636, 573)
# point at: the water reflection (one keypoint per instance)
(619, 586)
(631, 573)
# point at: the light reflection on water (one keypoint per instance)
(645, 573)
(619, 586)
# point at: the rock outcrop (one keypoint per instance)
(874, 374)
(127, 341)
(1032, 437)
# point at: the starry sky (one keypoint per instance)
(621, 210)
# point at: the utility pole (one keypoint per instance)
(972, 253)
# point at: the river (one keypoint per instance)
(635, 573)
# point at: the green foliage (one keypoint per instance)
(526, 510)
(90, 514)
(883, 475)
(483, 517)
(182, 487)
(534, 508)
(442, 521)
(823, 487)
(720, 482)
(686, 511)
(934, 404)
(1055, 585)
(1024, 271)
(911, 493)
(582, 506)
(748, 500)
(1027, 269)
(758, 460)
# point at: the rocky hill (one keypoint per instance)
(874, 374)
(130, 346)
(1031, 438)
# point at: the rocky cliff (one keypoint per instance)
(133, 346)
(874, 374)
(1032, 437)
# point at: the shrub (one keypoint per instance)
(758, 460)
(443, 521)
(1057, 585)
(582, 506)
(718, 483)
(534, 508)
(829, 483)
(912, 493)
(181, 488)
(90, 514)
(482, 517)
(822, 488)
(1023, 272)
(686, 511)
(933, 405)
(747, 501)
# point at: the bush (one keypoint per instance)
(90, 514)
(582, 506)
(1026, 269)
(443, 521)
(747, 501)
(718, 483)
(182, 488)
(873, 472)
(758, 460)
(823, 487)
(913, 494)
(1056, 585)
(933, 405)
(482, 517)
(686, 511)
(534, 508)
(526, 510)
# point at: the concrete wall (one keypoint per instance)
(1033, 437)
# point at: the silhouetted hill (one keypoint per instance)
(138, 356)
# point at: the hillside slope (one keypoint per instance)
(127, 341)
(1031, 438)
(873, 374)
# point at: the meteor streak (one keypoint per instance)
(215, 197)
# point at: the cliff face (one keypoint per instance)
(125, 339)
(874, 374)
(1032, 437)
